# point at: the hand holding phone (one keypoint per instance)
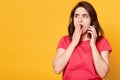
(89, 34)
(92, 32)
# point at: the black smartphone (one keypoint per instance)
(89, 34)
(91, 24)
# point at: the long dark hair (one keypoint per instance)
(92, 13)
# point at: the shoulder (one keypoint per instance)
(65, 38)
(103, 44)
(64, 42)
(102, 40)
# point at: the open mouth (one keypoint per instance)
(81, 26)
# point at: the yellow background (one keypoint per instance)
(31, 29)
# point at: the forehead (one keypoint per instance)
(81, 10)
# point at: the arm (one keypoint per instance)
(63, 56)
(101, 61)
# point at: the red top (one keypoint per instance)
(81, 65)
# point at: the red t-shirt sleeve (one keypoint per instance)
(105, 46)
(63, 43)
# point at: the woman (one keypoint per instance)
(84, 53)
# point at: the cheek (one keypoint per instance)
(87, 21)
(75, 22)
(86, 25)
(85, 28)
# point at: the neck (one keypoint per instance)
(84, 37)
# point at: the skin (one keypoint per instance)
(82, 28)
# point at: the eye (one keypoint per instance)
(76, 15)
(85, 16)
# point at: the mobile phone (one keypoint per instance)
(89, 34)
(91, 24)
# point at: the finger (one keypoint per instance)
(92, 29)
(90, 32)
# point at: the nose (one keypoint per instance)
(80, 19)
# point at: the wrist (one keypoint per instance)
(73, 44)
(93, 45)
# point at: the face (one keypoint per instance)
(81, 19)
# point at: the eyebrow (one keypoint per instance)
(77, 14)
(82, 14)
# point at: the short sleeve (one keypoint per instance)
(63, 43)
(105, 45)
